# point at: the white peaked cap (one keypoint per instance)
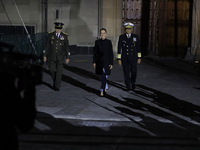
(128, 25)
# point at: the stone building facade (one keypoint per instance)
(195, 48)
(82, 19)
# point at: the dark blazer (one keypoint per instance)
(103, 56)
(128, 48)
(57, 48)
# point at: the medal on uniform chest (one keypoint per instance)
(52, 38)
(62, 38)
(124, 42)
(134, 40)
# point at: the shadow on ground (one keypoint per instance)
(55, 134)
(157, 121)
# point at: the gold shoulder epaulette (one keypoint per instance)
(51, 32)
(65, 33)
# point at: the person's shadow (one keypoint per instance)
(170, 102)
(79, 27)
(88, 74)
(198, 88)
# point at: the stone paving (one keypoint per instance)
(162, 113)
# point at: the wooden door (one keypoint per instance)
(137, 12)
(170, 27)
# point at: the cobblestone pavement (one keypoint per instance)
(162, 113)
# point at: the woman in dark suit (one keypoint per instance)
(103, 59)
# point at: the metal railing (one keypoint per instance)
(23, 43)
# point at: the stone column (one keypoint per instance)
(195, 49)
(111, 19)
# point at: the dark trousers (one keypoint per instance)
(130, 73)
(55, 68)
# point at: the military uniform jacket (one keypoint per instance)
(57, 48)
(129, 48)
(103, 56)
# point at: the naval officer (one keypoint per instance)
(58, 48)
(129, 55)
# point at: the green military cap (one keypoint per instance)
(58, 25)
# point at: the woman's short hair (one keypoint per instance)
(103, 29)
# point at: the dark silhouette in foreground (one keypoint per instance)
(18, 79)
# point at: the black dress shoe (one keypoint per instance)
(128, 89)
(133, 87)
(57, 89)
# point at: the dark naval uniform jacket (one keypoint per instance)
(128, 52)
(103, 56)
(129, 48)
(57, 48)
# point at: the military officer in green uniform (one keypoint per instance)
(129, 55)
(57, 47)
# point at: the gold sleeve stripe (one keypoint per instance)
(139, 55)
(119, 56)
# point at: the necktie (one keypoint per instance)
(57, 36)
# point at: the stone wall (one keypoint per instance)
(112, 20)
(84, 18)
(30, 11)
(195, 49)
(80, 18)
